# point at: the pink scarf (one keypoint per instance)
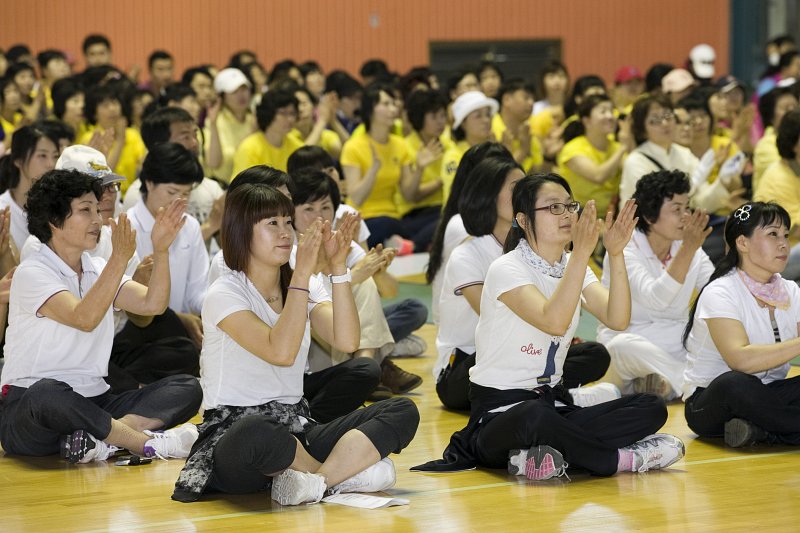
(772, 293)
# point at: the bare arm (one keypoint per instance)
(734, 346)
(214, 154)
(588, 169)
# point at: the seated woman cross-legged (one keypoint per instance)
(741, 335)
(257, 429)
(529, 313)
(61, 328)
(666, 265)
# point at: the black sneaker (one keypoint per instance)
(740, 433)
(82, 447)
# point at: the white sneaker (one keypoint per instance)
(654, 384)
(174, 443)
(82, 447)
(655, 452)
(293, 487)
(410, 346)
(378, 477)
(594, 394)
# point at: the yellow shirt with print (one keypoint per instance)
(256, 150)
(450, 161)
(393, 155)
(535, 157)
(583, 190)
(231, 134)
(431, 173)
(131, 157)
(781, 185)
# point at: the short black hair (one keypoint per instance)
(458, 75)
(170, 163)
(312, 185)
(156, 126)
(93, 39)
(639, 114)
(652, 190)
(262, 175)
(58, 130)
(15, 52)
(511, 86)
(309, 157)
(50, 199)
(15, 68)
(420, 103)
(97, 95)
(176, 92)
(372, 95)
(236, 60)
(697, 100)
(191, 72)
(280, 70)
(156, 55)
(308, 67)
(788, 134)
(654, 75)
(767, 103)
(46, 56)
(343, 84)
(63, 90)
(374, 68)
(270, 103)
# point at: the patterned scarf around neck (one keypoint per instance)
(772, 293)
(540, 265)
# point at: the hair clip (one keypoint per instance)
(743, 213)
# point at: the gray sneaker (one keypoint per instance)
(655, 452)
(537, 463)
(81, 447)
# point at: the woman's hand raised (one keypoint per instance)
(618, 232)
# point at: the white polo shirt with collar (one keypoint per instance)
(188, 259)
(38, 347)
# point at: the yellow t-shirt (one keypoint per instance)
(397, 129)
(9, 127)
(231, 134)
(328, 141)
(542, 123)
(764, 154)
(583, 190)
(450, 161)
(393, 155)
(131, 157)
(535, 157)
(431, 173)
(718, 141)
(781, 185)
(256, 150)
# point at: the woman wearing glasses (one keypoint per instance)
(529, 313)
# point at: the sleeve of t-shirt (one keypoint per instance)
(350, 156)
(197, 274)
(589, 278)
(317, 293)
(464, 269)
(794, 298)
(570, 150)
(355, 254)
(224, 298)
(33, 284)
(507, 275)
(717, 301)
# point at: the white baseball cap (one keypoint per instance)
(469, 102)
(89, 161)
(230, 79)
(702, 57)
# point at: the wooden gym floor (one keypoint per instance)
(712, 489)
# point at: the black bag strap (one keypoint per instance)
(653, 159)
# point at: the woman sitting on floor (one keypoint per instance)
(529, 313)
(742, 334)
(257, 430)
(61, 328)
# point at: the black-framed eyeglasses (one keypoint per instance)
(112, 187)
(657, 120)
(559, 208)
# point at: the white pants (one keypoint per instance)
(633, 356)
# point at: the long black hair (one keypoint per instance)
(523, 201)
(469, 161)
(744, 221)
(478, 202)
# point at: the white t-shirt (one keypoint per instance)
(728, 297)
(229, 374)
(454, 234)
(188, 259)
(637, 164)
(38, 347)
(466, 267)
(512, 354)
(363, 230)
(659, 303)
(102, 250)
(19, 219)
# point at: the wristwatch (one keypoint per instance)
(344, 278)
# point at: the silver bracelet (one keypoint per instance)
(344, 278)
